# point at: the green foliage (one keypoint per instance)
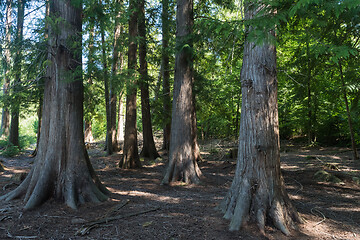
(26, 141)
(317, 37)
(313, 38)
(10, 151)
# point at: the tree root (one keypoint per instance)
(188, 172)
(40, 184)
(255, 203)
(92, 224)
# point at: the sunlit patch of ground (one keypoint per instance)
(183, 211)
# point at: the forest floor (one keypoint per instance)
(140, 208)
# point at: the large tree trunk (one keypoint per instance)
(166, 73)
(351, 129)
(149, 149)
(5, 119)
(182, 164)
(257, 192)
(62, 168)
(15, 110)
(130, 157)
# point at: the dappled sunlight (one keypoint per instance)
(147, 195)
(330, 231)
(7, 175)
(289, 167)
(330, 210)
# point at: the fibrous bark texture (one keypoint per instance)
(257, 193)
(149, 149)
(182, 164)
(130, 157)
(62, 168)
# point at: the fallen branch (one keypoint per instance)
(9, 184)
(21, 237)
(90, 225)
(116, 208)
(324, 218)
(4, 218)
(301, 186)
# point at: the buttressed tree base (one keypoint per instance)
(62, 168)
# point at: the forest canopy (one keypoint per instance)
(317, 53)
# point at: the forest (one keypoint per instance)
(164, 119)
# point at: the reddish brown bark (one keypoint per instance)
(130, 157)
(62, 168)
(257, 192)
(149, 149)
(182, 164)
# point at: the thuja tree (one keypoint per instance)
(15, 109)
(182, 164)
(130, 157)
(5, 117)
(258, 192)
(62, 168)
(149, 149)
(165, 63)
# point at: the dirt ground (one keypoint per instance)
(140, 208)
